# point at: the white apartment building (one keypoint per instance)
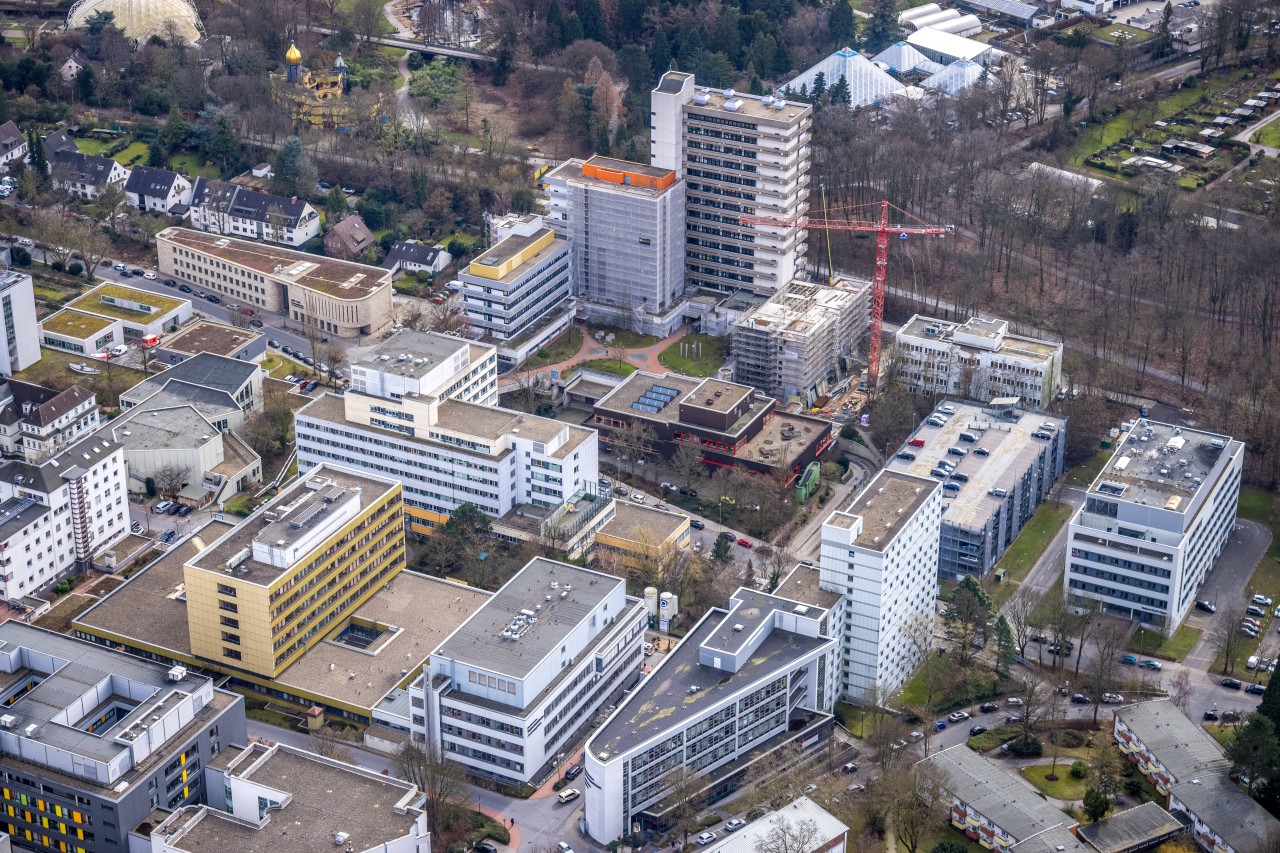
(791, 346)
(742, 683)
(225, 208)
(520, 292)
(978, 360)
(57, 515)
(625, 222)
(740, 155)
(36, 422)
(448, 443)
(21, 331)
(1154, 521)
(1003, 461)
(509, 690)
(881, 554)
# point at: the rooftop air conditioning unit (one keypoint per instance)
(177, 673)
(8, 721)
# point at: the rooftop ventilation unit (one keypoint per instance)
(8, 721)
(177, 673)
(738, 628)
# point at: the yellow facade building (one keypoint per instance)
(641, 541)
(263, 593)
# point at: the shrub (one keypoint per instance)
(151, 488)
(1026, 746)
(21, 257)
(543, 352)
(1069, 738)
(948, 846)
(56, 266)
(849, 432)
(1078, 769)
(415, 60)
(1133, 787)
(75, 268)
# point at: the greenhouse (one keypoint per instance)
(142, 19)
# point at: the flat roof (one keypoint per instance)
(752, 837)
(1012, 451)
(426, 611)
(639, 384)
(750, 106)
(802, 585)
(512, 245)
(1011, 344)
(948, 44)
(171, 428)
(74, 324)
(91, 301)
(1131, 829)
(479, 642)
(208, 336)
(491, 423)
(1231, 813)
(802, 308)
(309, 506)
(432, 348)
(17, 514)
(571, 170)
(157, 590)
(717, 395)
(886, 504)
(663, 702)
(775, 445)
(324, 797)
(332, 277)
(1161, 465)
(1182, 747)
(994, 792)
(632, 521)
(79, 666)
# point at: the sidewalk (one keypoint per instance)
(645, 358)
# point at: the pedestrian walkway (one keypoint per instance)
(644, 358)
(509, 823)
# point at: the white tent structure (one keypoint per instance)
(934, 19)
(918, 12)
(901, 58)
(955, 77)
(867, 83)
(965, 25)
(142, 19)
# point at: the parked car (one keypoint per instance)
(1080, 699)
(957, 716)
(174, 509)
(734, 824)
(273, 343)
(149, 276)
(135, 527)
(1013, 702)
(915, 737)
(1255, 610)
(116, 267)
(1128, 660)
(136, 272)
(648, 649)
(851, 767)
(564, 847)
(169, 536)
(706, 838)
(1206, 607)
(214, 298)
(1261, 599)
(574, 771)
(185, 510)
(119, 350)
(939, 725)
(1151, 664)
(977, 730)
(485, 847)
(1256, 689)
(745, 542)
(1112, 698)
(568, 795)
(639, 497)
(168, 282)
(1211, 716)
(1013, 718)
(1232, 683)
(163, 506)
(184, 288)
(697, 524)
(988, 707)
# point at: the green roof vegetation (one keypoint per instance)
(92, 302)
(74, 324)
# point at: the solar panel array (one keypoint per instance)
(655, 399)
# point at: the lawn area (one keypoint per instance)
(1031, 543)
(561, 349)
(1269, 135)
(944, 832)
(852, 717)
(709, 358)
(192, 165)
(278, 367)
(1065, 787)
(52, 371)
(604, 365)
(93, 146)
(137, 151)
(1148, 643)
(273, 718)
(994, 736)
(242, 504)
(1100, 136)
(393, 52)
(1112, 33)
(624, 338)
(1043, 612)
(1223, 734)
(978, 685)
(1083, 475)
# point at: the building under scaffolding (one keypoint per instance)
(793, 344)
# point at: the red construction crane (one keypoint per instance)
(882, 229)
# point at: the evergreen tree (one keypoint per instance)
(819, 87)
(1164, 34)
(882, 29)
(631, 18)
(1270, 705)
(222, 147)
(660, 54)
(502, 66)
(1255, 750)
(633, 64)
(155, 154)
(572, 29)
(839, 93)
(39, 163)
(294, 174)
(1096, 805)
(555, 25)
(175, 131)
(592, 17)
(781, 61)
(840, 22)
(1006, 651)
(335, 206)
(86, 84)
(603, 146)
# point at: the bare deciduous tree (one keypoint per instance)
(789, 836)
(1224, 635)
(170, 479)
(439, 778)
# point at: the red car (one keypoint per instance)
(916, 442)
(744, 542)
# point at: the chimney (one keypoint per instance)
(293, 200)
